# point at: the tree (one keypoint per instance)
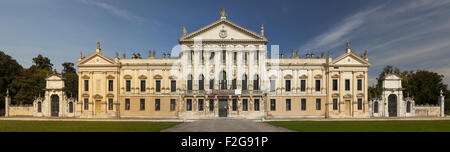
(42, 62)
(70, 79)
(9, 70)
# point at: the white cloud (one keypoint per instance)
(114, 10)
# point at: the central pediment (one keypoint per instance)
(223, 30)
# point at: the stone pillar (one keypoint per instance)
(441, 104)
(7, 102)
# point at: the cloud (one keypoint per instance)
(114, 10)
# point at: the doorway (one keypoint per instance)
(97, 107)
(54, 105)
(392, 105)
(223, 108)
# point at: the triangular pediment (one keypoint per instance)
(223, 30)
(96, 59)
(54, 77)
(350, 59)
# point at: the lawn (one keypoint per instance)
(366, 126)
(82, 126)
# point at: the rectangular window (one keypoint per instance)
(288, 85)
(86, 104)
(110, 85)
(157, 104)
(211, 105)
(158, 85)
(335, 104)
(189, 105)
(142, 104)
(303, 104)
(335, 85)
(244, 105)
(86, 85)
(142, 85)
(201, 84)
(200, 104)
(234, 105)
(110, 104)
(288, 104)
(233, 84)
(256, 104)
(244, 84)
(359, 84)
(173, 85)
(211, 84)
(127, 104)
(318, 104)
(128, 85)
(347, 85)
(317, 85)
(272, 85)
(302, 85)
(360, 104)
(189, 84)
(273, 104)
(173, 104)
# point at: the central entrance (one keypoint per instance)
(392, 105)
(223, 108)
(54, 105)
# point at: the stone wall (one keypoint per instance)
(20, 110)
(427, 111)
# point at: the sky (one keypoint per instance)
(408, 34)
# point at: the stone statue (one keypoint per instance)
(262, 30)
(98, 45)
(292, 54)
(348, 45)
(164, 54)
(117, 55)
(322, 54)
(312, 55)
(154, 52)
(223, 14)
(168, 55)
(296, 53)
(139, 56)
(184, 31)
(441, 92)
(124, 56)
(81, 55)
(7, 92)
(365, 54)
(150, 53)
(329, 53)
(133, 56)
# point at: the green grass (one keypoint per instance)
(366, 126)
(82, 126)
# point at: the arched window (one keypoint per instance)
(39, 107)
(201, 82)
(70, 107)
(244, 82)
(223, 80)
(408, 106)
(256, 82)
(189, 82)
(375, 107)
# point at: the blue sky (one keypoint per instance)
(410, 34)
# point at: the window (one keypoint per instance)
(189, 105)
(234, 105)
(244, 105)
(347, 85)
(318, 104)
(142, 105)
(233, 84)
(211, 105)
(335, 85)
(256, 83)
(335, 104)
(408, 107)
(189, 83)
(359, 85)
(157, 104)
(256, 104)
(288, 85)
(317, 85)
(272, 85)
(360, 104)
(273, 104)
(128, 85)
(70, 107)
(127, 104)
(86, 85)
(201, 83)
(288, 104)
(86, 104)
(302, 85)
(172, 104)
(200, 104)
(303, 104)
(244, 82)
(158, 85)
(110, 85)
(375, 107)
(211, 84)
(173, 85)
(110, 104)
(39, 106)
(223, 80)
(142, 85)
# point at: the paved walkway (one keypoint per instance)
(225, 125)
